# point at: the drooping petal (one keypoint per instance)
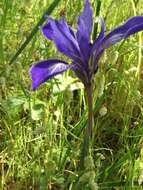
(131, 26)
(84, 28)
(45, 70)
(133, 30)
(63, 37)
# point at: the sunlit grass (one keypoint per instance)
(41, 132)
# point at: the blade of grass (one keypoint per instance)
(108, 10)
(35, 29)
(134, 4)
(98, 7)
(3, 19)
(118, 184)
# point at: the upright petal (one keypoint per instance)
(47, 31)
(96, 57)
(95, 51)
(45, 70)
(63, 37)
(100, 36)
(84, 29)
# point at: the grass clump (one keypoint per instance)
(41, 133)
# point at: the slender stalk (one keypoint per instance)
(88, 91)
(88, 133)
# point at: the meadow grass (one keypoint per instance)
(41, 132)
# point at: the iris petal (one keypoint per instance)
(63, 37)
(84, 30)
(96, 52)
(47, 31)
(100, 36)
(45, 70)
(130, 27)
(81, 73)
(133, 30)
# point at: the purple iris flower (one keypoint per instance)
(84, 55)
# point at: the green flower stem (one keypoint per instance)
(88, 133)
(88, 91)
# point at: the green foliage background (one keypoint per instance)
(41, 132)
